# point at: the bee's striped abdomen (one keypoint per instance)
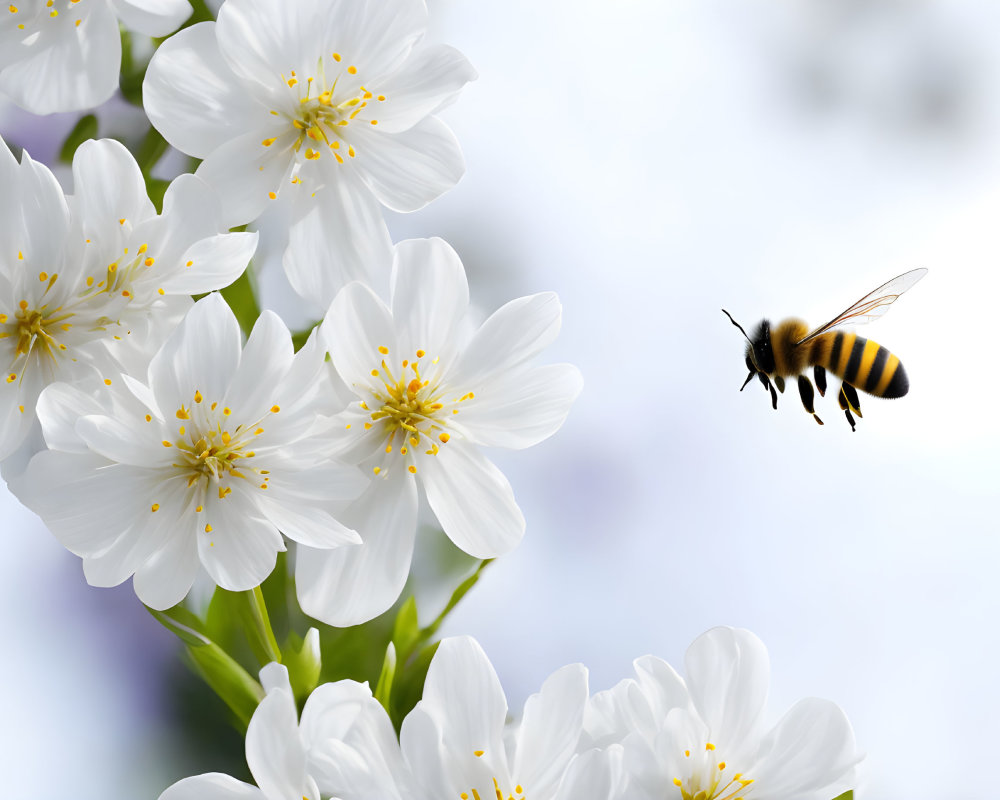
(864, 364)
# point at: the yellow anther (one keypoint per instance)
(376, 470)
(384, 350)
(478, 753)
(107, 381)
(208, 529)
(197, 396)
(268, 142)
(722, 765)
(189, 263)
(336, 56)
(227, 411)
(444, 437)
(709, 746)
(678, 782)
(182, 413)
(155, 507)
(149, 418)
(166, 443)
(275, 409)
(272, 195)
(149, 262)
(352, 70)
(43, 276)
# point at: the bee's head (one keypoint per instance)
(759, 355)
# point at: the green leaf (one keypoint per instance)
(406, 629)
(409, 685)
(383, 690)
(183, 623)
(848, 795)
(85, 128)
(228, 680)
(221, 672)
(456, 597)
(249, 611)
(303, 660)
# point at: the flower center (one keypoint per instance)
(410, 408)
(708, 778)
(34, 330)
(326, 111)
(210, 451)
(121, 274)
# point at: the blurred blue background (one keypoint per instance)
(653, 162)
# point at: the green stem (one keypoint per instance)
(258, 627)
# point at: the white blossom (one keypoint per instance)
(91, 285)
(705, 738)
(207, 463)
(429, 393)
(65, 55)
(328, 102)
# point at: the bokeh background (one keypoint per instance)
(653, 162)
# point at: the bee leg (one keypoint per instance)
(845, 404)
(852, 398)
(806, 393)
(749, 378)
(770, 387)
(819, 374)
(780, 383)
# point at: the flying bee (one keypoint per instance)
(787, 350)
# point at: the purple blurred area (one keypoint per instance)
(653, 162)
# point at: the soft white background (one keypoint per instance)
(653, 162)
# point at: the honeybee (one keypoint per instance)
(789, 349)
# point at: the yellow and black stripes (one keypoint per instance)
(861, 362)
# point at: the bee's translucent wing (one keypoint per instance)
(873, 305)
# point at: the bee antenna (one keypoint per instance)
(737, 325)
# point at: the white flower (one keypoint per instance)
(457, 745)
(285, 97)
(704, 739)
(428, 396)
(90, 285)
(65, 55)
(204, 464)
(344, 740)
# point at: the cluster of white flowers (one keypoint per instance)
(156, 444)
(654, 736)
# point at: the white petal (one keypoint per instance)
(192, 97)
(355, 327)
(353, 750)
(266, 359)
(73, 71)
(275, 754)
(118, 441)
(463, 695)
(245, 174)
(727, 674)
(811, 748)
(167, 576)
(523, 407)
(472, 500)
(201, 355)
(215, 263)
(409, 169)
(212, 786)
(80, 498)
(343, 238)
(241, 548)
(351, 585)
(429, 79)
(550, 730)
(59, 407)
(156, 18)
(109, 186)
(308, 525)
(593, 775)
(430, 297)
(513, 334)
